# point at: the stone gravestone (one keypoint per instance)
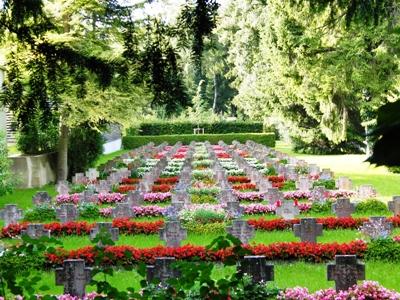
(41, 198)
(257, 268)
(106, 227)
(394, 205)
(241, 230)
(67, 212)
(308, 230)
(135, 198)
(319, 194)
(62, 187)
(36, 231)
(11, 214)
(74, 276)
(345, 271)
(343, 207)
(303, 183)
(180, 196)
(264, 186)
(92, 174)
(79, 178)
(234, 209)
(162, 270)
(366, 191)
(103, 187)
(287, 210)
(313, 170)
(344, 183)
(122, 210)
(173, 233)
(377, 227)
(274, 195)
(326, 174)
(227, 195)
(88, 196)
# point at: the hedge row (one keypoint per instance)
(131, 142)
(168, 128)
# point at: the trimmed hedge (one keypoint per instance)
(168, 128)
(131, 142)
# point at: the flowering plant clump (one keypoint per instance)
(125, 188)
(249, 196)
(157, 197)
(110, 198)
(106, 212)
(167, 180)
(244, 186)
(366, 290)
(130, 180)
(236, 172)
(72, 198)
(306, 195)
(148, 211)
(88, 296)
(162, 188)
(254, 209)
(239, 179)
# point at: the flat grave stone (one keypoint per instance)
(173, 233)
(11, 214)
(122, 210)
(288, 210)
(308, 230)
(162, 270)
(345, 271)
(343, 207)
(36, 231)
(67, 212)
(241, 230)
(377, 227)
(257, 268)
(41, 198)
(74, 275)
(394, 205)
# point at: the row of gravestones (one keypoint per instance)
(303, 182)
(346, 270)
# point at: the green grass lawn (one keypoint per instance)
(106, 157)
(353, 166)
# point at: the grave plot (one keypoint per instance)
(163, 203)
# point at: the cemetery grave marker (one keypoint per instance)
(287, 210)
(36, 231)
(303, 183)
(41, 198)
(11, 214)
(377, 227)
(366, 191)
(273, 195)
(122, 210)
(62, 188)
(319, 194)
(227, 195)
(74, 276)
(67, 212)
(394, 205)
(257, 268)
(173, 233)
(343, 207)
(79, 178)
(104, 227)
(308, 230)
(344, 183)
(345, 271)
(241, 230)
(135, 198)
(326, 174)
(234, 209)
(162, 270)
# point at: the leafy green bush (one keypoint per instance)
(323, 208)
(131, 142)
(77, 188)
(328, 184)
(394, 169)
(202, 198)
(89, 211)
(179, 127)
(40, 213)
(289, 185)
(383, 249)
(204, 216)
(10, 262)
(85, 146)
(7, 180)
(372, 206)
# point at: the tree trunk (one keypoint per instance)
(62, 156)
(214, 107)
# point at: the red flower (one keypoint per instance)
(239, 179)
(130, 180)
(123, 189)
(244, 186)
(162, 188)
(167, 180)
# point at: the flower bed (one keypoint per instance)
(129, 255)
(157, 197)
(306, 195)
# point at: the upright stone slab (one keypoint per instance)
(344, 183)
(241, 230)
(257, 268)
(345, 271)
(11, 214)
(303, 184)
(314, 170)
(308, 230)
(122, 210)
(366, 191)
(105, 227)
(274, 195)
(264, 185)
(79, 178)
(343, 208)
(234, 209)
(135, 198)
(319, 194)
(377, 227)
(103, 187)
(88, 196)
(394, 205)
(173, 233)
(62, 187)
(92, 174)
(41, 198)
(162, 270)
(226, 196)
(67, 212)
(326, 174)
(36, 231)
(180, 196)
(288, 210)
(74, 276)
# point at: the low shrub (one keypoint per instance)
(40, 213)
(203, 198)
(383, 249)
(289, 185)
(131, 142)
(321, 208)
(89, 211)
(328, 184)
(372, 206)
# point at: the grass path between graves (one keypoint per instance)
(353, 166)
(312, 276)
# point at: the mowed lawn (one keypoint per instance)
(353, 166)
